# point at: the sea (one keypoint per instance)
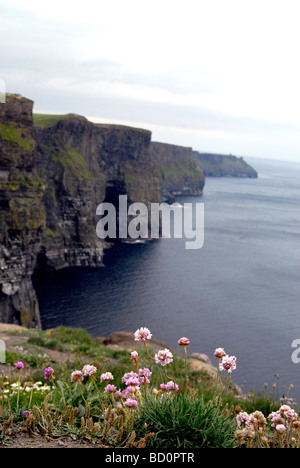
(240, 291)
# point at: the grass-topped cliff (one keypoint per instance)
(221, 165)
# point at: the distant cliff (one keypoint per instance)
(178, 170)
(220, 165)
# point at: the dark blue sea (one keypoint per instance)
(240, 291)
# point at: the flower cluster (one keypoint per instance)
(77, 376)
(48, 373)
(169, 387)
(228, 364)
(163, 357)
(106, 377)
(131, 394)
(285, 422)
(19, 365)
(285, 417)
(88, 370)
(142, 334)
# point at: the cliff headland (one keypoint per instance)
(54, 172)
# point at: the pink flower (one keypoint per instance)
(219, 353)
(184, 341)
(110, 388)
(134, 356)
(130, 390)
(144, 375)
(228, 364)
(19, 365)
(172, 386)
(169, 386)
(291, 415)
(163, 357)
(142, 334)
(242, 418)
(130, 403)
(275, 418)
(106, 377)
(284, 408)
(280, 428)
(77, 376)
(48, 373)
(163, 387)
(129, 375)
(88, 370)
(132, 381)
(118, 394)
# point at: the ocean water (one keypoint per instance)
(240, 291)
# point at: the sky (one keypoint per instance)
(221, 76)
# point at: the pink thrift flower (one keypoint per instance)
(228, 364)
(291, 415)
(106, 377)
(110, 388)
(19, 365)
(144, 375)
(242, 418)
(88, 370)
(280, 428)
(118, 394)
(284, 408)
(129, 375)
(142, 334)
(172, 386)
(132, 381)
(134, 356)
(163, 387)
(48, 372)
(130, 403)
(184, 341)
(163, 357)
(219, 353)
(77, 376)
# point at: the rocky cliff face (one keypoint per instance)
(52, 178)
(219, 165)
(178, 170)
(22, 214)
(84, 165)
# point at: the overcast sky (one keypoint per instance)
(217, 75)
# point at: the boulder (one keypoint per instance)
(125, 340)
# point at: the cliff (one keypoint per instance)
(220, 165)
(22, 214)
(53, 175)
(178, 170)
(84, 165)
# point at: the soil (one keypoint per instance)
(20, 440)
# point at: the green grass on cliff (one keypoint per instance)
(15, 135)
(48, 120)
